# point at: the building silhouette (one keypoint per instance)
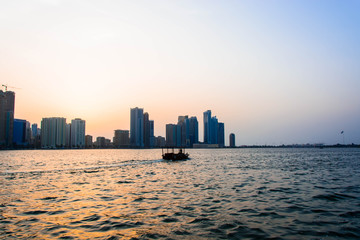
(88, 141)
(193, 131)
(53, 132)
(137, 127)
(100, 142)
(214, 131)
(77, 133)
(160, 141)
(19, 133)
(173, 135)
(183, 122)
(148, 131)
(7, 108)
(221, 134)
(121, 139)
(232, 140)
(207, 127)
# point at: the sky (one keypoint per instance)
(275, 72)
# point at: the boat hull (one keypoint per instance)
(175, 156)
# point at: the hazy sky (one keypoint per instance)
(275, 72)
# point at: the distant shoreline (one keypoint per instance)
(237, 147)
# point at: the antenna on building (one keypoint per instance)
(7, 86)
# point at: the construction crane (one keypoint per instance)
(6, 87)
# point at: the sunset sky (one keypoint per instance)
(275, 72)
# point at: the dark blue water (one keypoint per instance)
(217, 194)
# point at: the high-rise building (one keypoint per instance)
(221, 134)
(77, 133)
(152, 137)
(35, 136)
(193, 131)
(121, 139)
(173, 135)
(88, 141)
(19, 135)
(146, 130)
(100, 142)
(183, 122)
(207, 127)
(68, 135)
(7, 108)
(214, 129)
(53, 132)
(136, 127)
(232, 140)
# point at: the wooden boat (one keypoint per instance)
(170, 154)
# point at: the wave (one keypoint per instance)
(88, 169)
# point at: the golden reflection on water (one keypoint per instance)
(88, 194)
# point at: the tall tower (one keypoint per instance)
(146, 130)
(137, 127)
(214, 129)
(7, 108)
(193, 130)
(183, 122)
(221, 134)
(77, 133)
(207, 126)
(232, 140)
(53, 132)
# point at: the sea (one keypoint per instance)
(217, 194)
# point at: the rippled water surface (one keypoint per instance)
(217, 194)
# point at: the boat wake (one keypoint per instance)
(87, 169)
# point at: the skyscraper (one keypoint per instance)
(152, 137)
(207, 127)
(214, 129)
(221, 134)
(193, 131)
(19, 136)
(183, 122)
(173, 135)
(53, 132)
(232, 140)
(77, 133)
(137, 127)
(146, 130)
(7, 108)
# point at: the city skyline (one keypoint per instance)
(276, 72)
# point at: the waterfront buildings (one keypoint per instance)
(121, 139)
(137, 127)
(77, 133)
(148, 131)
(19, 133)
(88, 141)
(100, 142)
(221, 134)
(173, 135)
(214, 131)
(53, 132)
(207, 127)
(232, 140)
(193, 131)
(160, 141)
(141, 129)
(7, 107)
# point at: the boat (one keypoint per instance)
(169, 154)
